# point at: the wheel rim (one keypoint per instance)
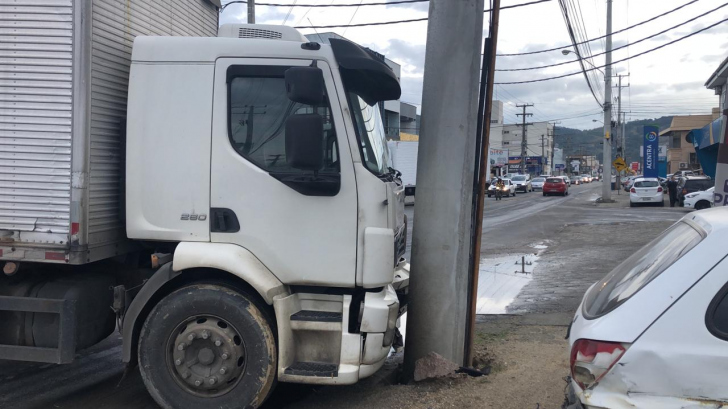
(206, 356)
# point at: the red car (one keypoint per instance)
(555, 185)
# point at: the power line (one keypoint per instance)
(572, 35)
(622, 46)
(382, 23)
(604, 36)
(616, 62)
(385, 3)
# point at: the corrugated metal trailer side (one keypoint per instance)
(64, 69)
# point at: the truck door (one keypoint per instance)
(303, 233)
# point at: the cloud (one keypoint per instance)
(421, 6)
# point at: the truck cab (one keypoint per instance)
(260, 159)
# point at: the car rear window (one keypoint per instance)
(646, 183)
(639, 269)
(554, 180)
(518, 178)
(538, 180)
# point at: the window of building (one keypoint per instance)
(693, 157)
(506, 132)
(493, 121)
(258, 110)
(506, 143)
(676, 141)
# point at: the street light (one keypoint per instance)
(596, 120)
(567, 52)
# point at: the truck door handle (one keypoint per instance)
(223, 221)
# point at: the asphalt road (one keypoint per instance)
(575, 243)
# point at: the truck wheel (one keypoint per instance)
(207, 345)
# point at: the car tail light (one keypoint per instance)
(591, 360)
(659, 189)
(633, 190)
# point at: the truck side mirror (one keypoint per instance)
(304, 141)
(305, 85)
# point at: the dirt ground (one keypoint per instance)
(528, 361)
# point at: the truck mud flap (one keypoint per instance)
(65, 309)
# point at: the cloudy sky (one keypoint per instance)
(665, 82)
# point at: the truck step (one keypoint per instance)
(317, 316)
(313, 369)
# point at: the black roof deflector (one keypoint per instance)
(364, 74)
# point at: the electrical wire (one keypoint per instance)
(618, 61)
(383, 3)
(382, 23)
(574, 42)
(352, 17)
(604, 36)
(620, 47)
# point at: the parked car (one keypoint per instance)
(690, 184)
(576, 180)
(684, 173)
(630, 181)
(555, 185)
(508, 190)
(653, 333)
(646, 190)
(537, 183)
(523, 183)
(700, 200)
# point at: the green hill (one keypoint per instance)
(589, 142)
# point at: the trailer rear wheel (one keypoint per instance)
(208, 346)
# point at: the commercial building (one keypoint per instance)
(707, 139)
(681, 153)
(539, 145)
(582, 164)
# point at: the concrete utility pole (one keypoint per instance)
(251, 11)
(441, 239)
(523, 135)
(553, 148)
(543, 153)
(607, 153)
(624, 137)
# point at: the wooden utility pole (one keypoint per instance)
(485, 108)
(523, 135)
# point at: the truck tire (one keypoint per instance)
(208, 345)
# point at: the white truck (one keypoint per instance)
(222, 200)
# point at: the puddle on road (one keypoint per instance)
(502, 278)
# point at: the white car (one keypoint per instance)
(537, 183)
(646, 190)
(653, 333)
(699, 200)
(510, 188)
(523, 183)
(567, 179)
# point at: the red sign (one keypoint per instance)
(635, 166)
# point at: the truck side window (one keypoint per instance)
(716, 319)
(258, 109)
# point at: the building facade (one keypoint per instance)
(539, 143)
(681, 153)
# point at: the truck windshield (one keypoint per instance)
(370, 132)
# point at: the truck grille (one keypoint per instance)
(400, 242)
